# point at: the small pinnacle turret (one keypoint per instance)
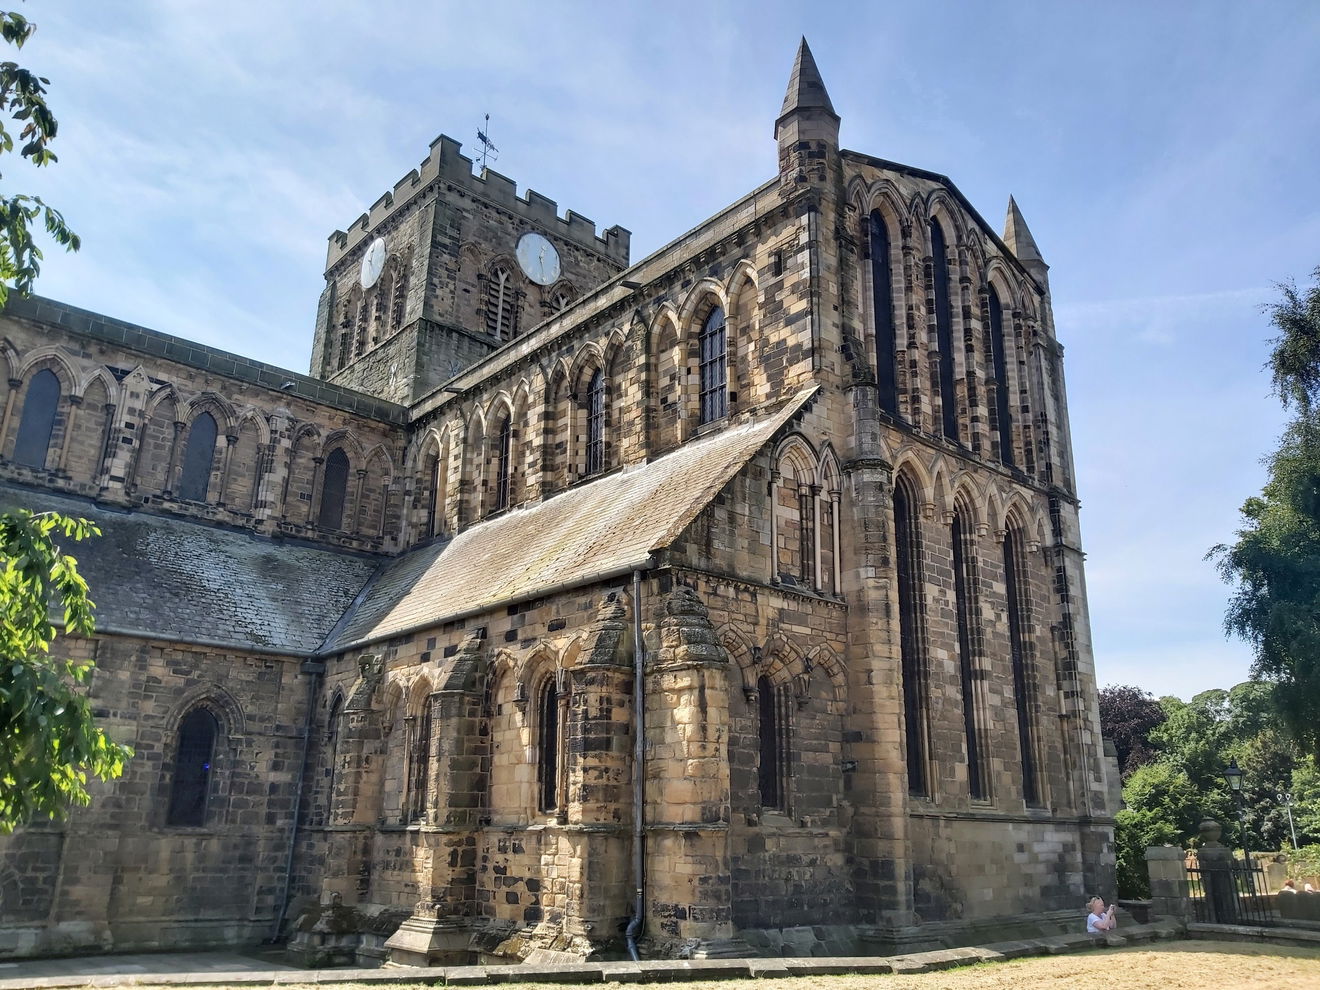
(807, 128)
(806, 89)
(1017, 235)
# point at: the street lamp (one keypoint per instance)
(1234, 777)
(1285, 798)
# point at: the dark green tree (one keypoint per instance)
(1127, 716)
(1275, 563)
(23, 109)
(49, 742)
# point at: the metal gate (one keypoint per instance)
(1230, 894)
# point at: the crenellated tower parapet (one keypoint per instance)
(447, 164)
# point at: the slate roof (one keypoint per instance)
(601, 529)
(172, 579)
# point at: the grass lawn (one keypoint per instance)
(1163, 966)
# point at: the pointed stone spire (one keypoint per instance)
(806, 89)
(1017, 235)
(807, 129)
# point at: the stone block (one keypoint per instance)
(467, 976)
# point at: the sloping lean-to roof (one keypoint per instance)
(606, 527)
(170, 579)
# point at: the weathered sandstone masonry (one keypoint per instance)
(374, 632)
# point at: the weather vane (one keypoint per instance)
(489, 152)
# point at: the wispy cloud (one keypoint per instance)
(1164, 162)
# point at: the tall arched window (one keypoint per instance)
(1019, 619)
(432, 494)
(334, 490)
(772, 709)
(419, 763)
(807, 514)
(198, 456)
(882, 290)
(503, 465)
(193, 754)
(999, 369)
(939, 262)
(38, 421)
(713, 368)
(969, 641)
(547, 764)
(501, 305)
(907, 557)
(596, 424)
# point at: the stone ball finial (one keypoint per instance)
(1210, 831)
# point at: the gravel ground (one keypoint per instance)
(1166, 966)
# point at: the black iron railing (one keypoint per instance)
(1230, 894)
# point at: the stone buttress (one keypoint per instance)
(438, 931)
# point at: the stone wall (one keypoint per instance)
(125, 414)
(116, 875)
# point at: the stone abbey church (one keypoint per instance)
(730, 600)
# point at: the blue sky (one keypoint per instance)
(1165, 156)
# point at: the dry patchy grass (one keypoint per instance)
(1164, 966)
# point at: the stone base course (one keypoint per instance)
(673, 970)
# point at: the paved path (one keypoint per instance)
(264, 969)
(27, 973)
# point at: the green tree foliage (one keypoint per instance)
(23, 109)
(1163, 808)
(1127, 716)
(1167, 797)
(48, 740)
(1275, 563)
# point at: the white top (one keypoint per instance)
(1092, 920)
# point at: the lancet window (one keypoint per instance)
(334, 490)
(194, 752)
(713, 367)
(547, 764)
(419, 762)
(773, 717)
(198, 457)
(595, 462)
(882, 295)
(999, 372)
(1019, 619)
(939, 261)
(969, 645)
(907, 553)
(503, 465)
(38, 421)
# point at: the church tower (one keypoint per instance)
(444, 269)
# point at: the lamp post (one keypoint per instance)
(1234, 777)
(1285, 798)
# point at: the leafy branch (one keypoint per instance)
(23, 100)
(48, 739)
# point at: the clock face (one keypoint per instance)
(372, 263)
(538, 259)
